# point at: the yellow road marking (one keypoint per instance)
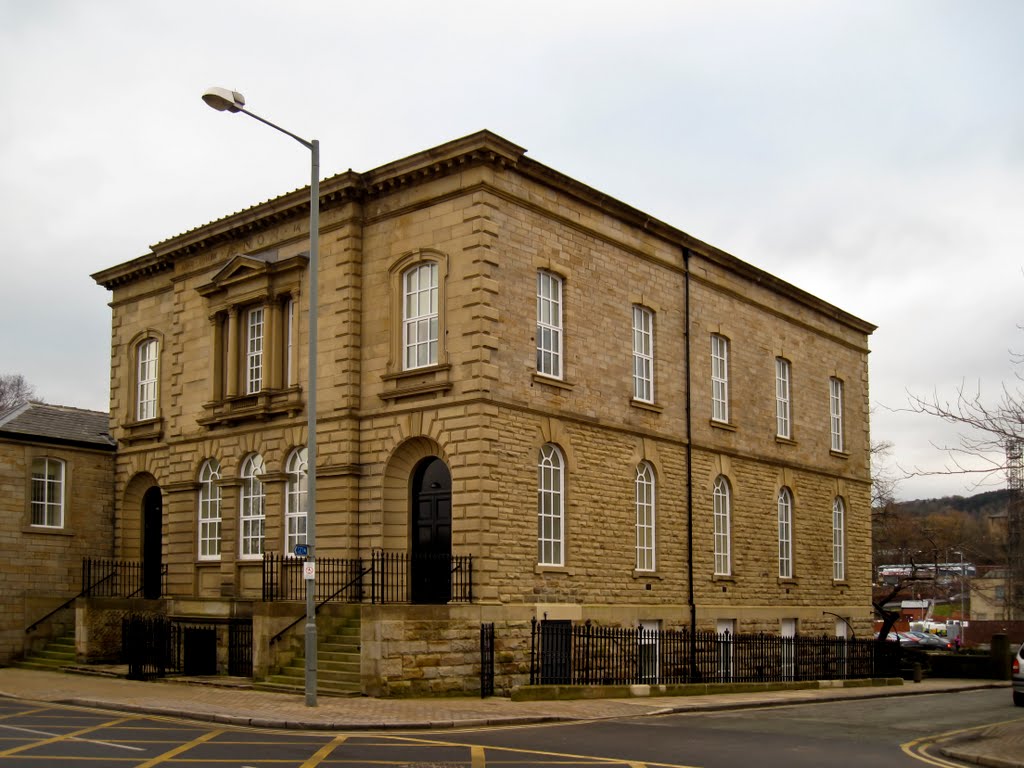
(324, 752)
(478, 757)
(915, 748)
(183, 748)
(67, 736)
(521, 751)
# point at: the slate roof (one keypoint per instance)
(57, 424)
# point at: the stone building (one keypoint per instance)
(512, 366)
(57, 497)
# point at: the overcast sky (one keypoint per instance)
(870, 152)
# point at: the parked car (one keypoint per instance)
(931, 642)
(1018, 677)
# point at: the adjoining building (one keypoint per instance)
(57, 497)
(535, 403)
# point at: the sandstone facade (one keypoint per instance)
(48, 527)
(486, 220)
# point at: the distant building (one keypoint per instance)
(56, 508)
(514, 368)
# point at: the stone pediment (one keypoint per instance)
(245, 268)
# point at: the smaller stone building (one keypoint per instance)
(56, 508)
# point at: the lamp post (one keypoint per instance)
(222, 100)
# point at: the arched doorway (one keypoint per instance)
(152, 543)
(431, 514)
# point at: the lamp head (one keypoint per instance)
(222, 99)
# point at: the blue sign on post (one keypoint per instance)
(301, 550)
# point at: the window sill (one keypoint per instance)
(839, 454)
(207, 561)
(149, 430)
(552, 569)
(539, 378)
(723, 578)
(645, 406)
(47, 530)
(639, 575)
(429, 380)
(788, 582)
(840, 583)
(785, 440)
(261, 406)
(725, 426)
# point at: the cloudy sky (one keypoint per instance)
(870, 152)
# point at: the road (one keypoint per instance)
(836, 734)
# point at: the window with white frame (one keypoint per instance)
(146, 374)
(722, 514)
(550, 506)
(643, 354)
(47, 493)
(289, 342)
(838, 539)
(252, 515)
(209, 510)
(419, 316)
(295, 500)
(549, 325)
(645, 512)
(719, 378)
(254, 350)
(835, 400)
(785, 508)
(783, 418)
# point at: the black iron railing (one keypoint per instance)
(336, 578)
(104, 577)
(486, 660)
(387, 577)
(561, 653)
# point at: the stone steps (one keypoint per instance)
(57, 654)
(338, 664)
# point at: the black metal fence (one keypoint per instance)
(336, 578)
(105, 577)
(387, 577)
(486, 660)
(561, 653)
(156, 646)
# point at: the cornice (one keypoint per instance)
(480, 148)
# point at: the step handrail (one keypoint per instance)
(68, 602)
(321, 604)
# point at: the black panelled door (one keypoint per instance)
(430, 569)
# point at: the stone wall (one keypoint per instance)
(40, 568)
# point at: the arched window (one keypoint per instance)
(295, 500)
(253, 507)
(419, 315)
(645, 510)
(785, 504)
(209, 510)
(550, 507)
(838, 539)
(146, 378)
(722, 512)
(47, 493)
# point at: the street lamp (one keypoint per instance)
(222, 100)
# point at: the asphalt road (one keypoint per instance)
(837, 734)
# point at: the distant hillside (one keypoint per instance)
(979, 506)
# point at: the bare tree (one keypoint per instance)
(14, 390)
(987, 428)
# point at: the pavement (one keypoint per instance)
(235, 702)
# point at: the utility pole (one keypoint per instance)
(1015, 529)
